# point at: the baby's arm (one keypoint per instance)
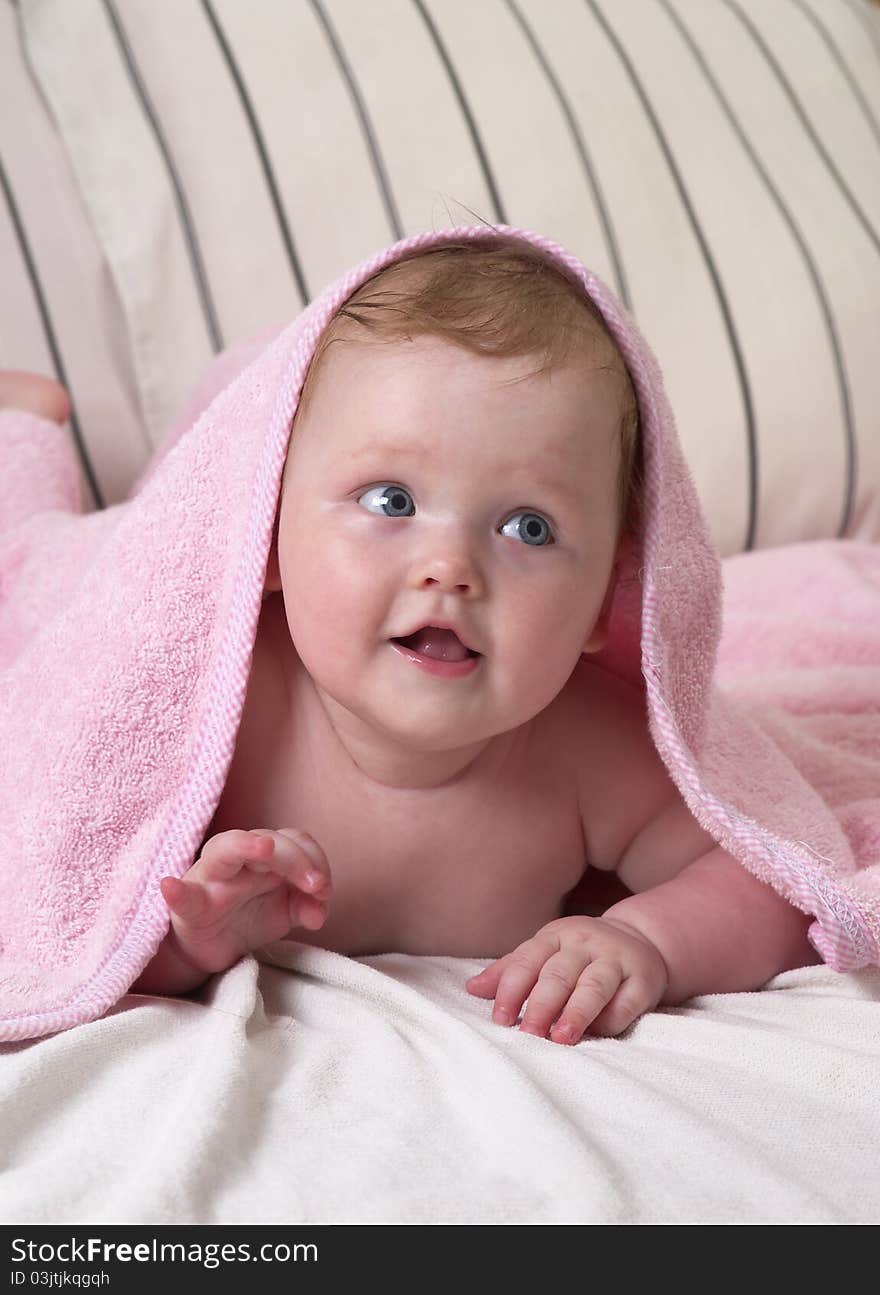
(245, 890)
(719, 929)
(697, 923)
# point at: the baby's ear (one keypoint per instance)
(272, 580)
(598, 636)
(599, 633)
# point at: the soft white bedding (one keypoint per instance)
(313, 1088)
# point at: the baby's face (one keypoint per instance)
(502, 521)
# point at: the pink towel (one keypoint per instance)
(126, 639)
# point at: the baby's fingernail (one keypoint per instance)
(311, 920)
(313, 879)
(564, 1033)
(312, 849)
(501, 1016)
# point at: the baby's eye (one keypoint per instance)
(396, 501)
(532, 528)
(392, 500)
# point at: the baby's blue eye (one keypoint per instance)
(392, 500)
(396, 501)
(533, 529)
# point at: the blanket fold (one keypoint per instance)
(126, 638)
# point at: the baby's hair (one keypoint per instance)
(498, 298)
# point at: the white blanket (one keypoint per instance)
(318, 1089)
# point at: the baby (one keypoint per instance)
(427, 761)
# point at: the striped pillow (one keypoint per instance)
(715, 161)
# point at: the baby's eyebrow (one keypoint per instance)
(387, 448)
(565, 487)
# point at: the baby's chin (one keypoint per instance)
(406, 726)
(424, 731)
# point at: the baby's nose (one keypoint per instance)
(451, 571)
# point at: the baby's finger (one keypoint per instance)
(306, 911)
(626, 1006)
(185, 899)
(519, 976)
(596, 987)
(224, 856)
(485, 982)
(556, 981)
(301, 861)
(290, 854)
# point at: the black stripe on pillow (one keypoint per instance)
(620, 282)
(499, 212)
(260, 144)
(363, 117)
(721, 296)
(192, 243)
(845, 71)
(49, 332)
(804, 118)
(873, 28)
(809, 262)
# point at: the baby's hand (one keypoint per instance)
(245, 890)
(578, 972)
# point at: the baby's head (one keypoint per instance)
(503, 300)
(482, 385)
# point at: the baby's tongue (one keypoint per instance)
(445, 645)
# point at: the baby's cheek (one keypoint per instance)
(544, 649)
(330, 598)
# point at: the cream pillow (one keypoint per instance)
(715, 161)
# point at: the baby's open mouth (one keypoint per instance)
(443, 645)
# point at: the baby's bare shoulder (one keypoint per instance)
(634, 818)
(622, 781)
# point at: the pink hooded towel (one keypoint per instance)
(126, 638)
